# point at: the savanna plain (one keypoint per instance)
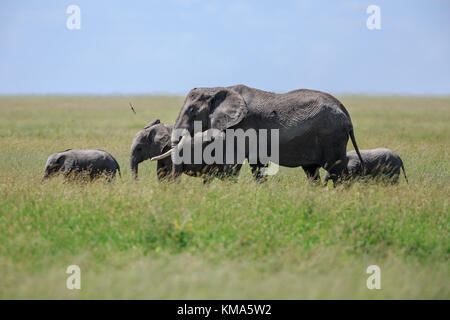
(283, 239)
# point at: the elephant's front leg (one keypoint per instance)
(257, 171)
(231, 172)
(312, 172)
(163, 169)
(207, 178)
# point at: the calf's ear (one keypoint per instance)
(162, 138)
(152, 123)
(60, 161)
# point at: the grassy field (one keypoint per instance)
(285, 239)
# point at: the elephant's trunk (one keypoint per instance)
(134, 167)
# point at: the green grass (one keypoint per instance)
(285, 239)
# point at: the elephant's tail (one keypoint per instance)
(352, 136)
(404, 173)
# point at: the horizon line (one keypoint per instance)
(172, 94)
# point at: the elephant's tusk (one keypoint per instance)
(168, 153)
(162, 156)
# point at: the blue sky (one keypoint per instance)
(144, 47)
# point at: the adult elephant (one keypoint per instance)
(314, 127)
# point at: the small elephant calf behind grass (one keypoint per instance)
(77, 163)
(378, 163)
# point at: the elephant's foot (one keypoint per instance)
(258, 174)
(260, 179)
(207, 179)
(312, 173)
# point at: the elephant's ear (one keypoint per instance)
(152, 123)
(61, 158)
(228, 108)
(60, 161)
(162, 138)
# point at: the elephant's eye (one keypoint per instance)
(192, 110)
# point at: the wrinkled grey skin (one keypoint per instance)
(73, 162)
(154, 140)
(207, 171)
(150, 142)
(314, 127)
(379, 162)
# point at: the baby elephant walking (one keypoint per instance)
(377, 162)
(153, 142)
(92, 162)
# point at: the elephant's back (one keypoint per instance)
(377, 158)
(287, 109)
(97, 158)
(302, 112)
(111, 162)
(310, 104)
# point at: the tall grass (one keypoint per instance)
(282, 239)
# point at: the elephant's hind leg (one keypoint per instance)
(337, 168)
(335, 158)
(338, 171)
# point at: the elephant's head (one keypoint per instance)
(54, 164)
(152, 141)
(218, 108)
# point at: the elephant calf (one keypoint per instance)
(378, 162)
(153, 142)
(77, 162)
